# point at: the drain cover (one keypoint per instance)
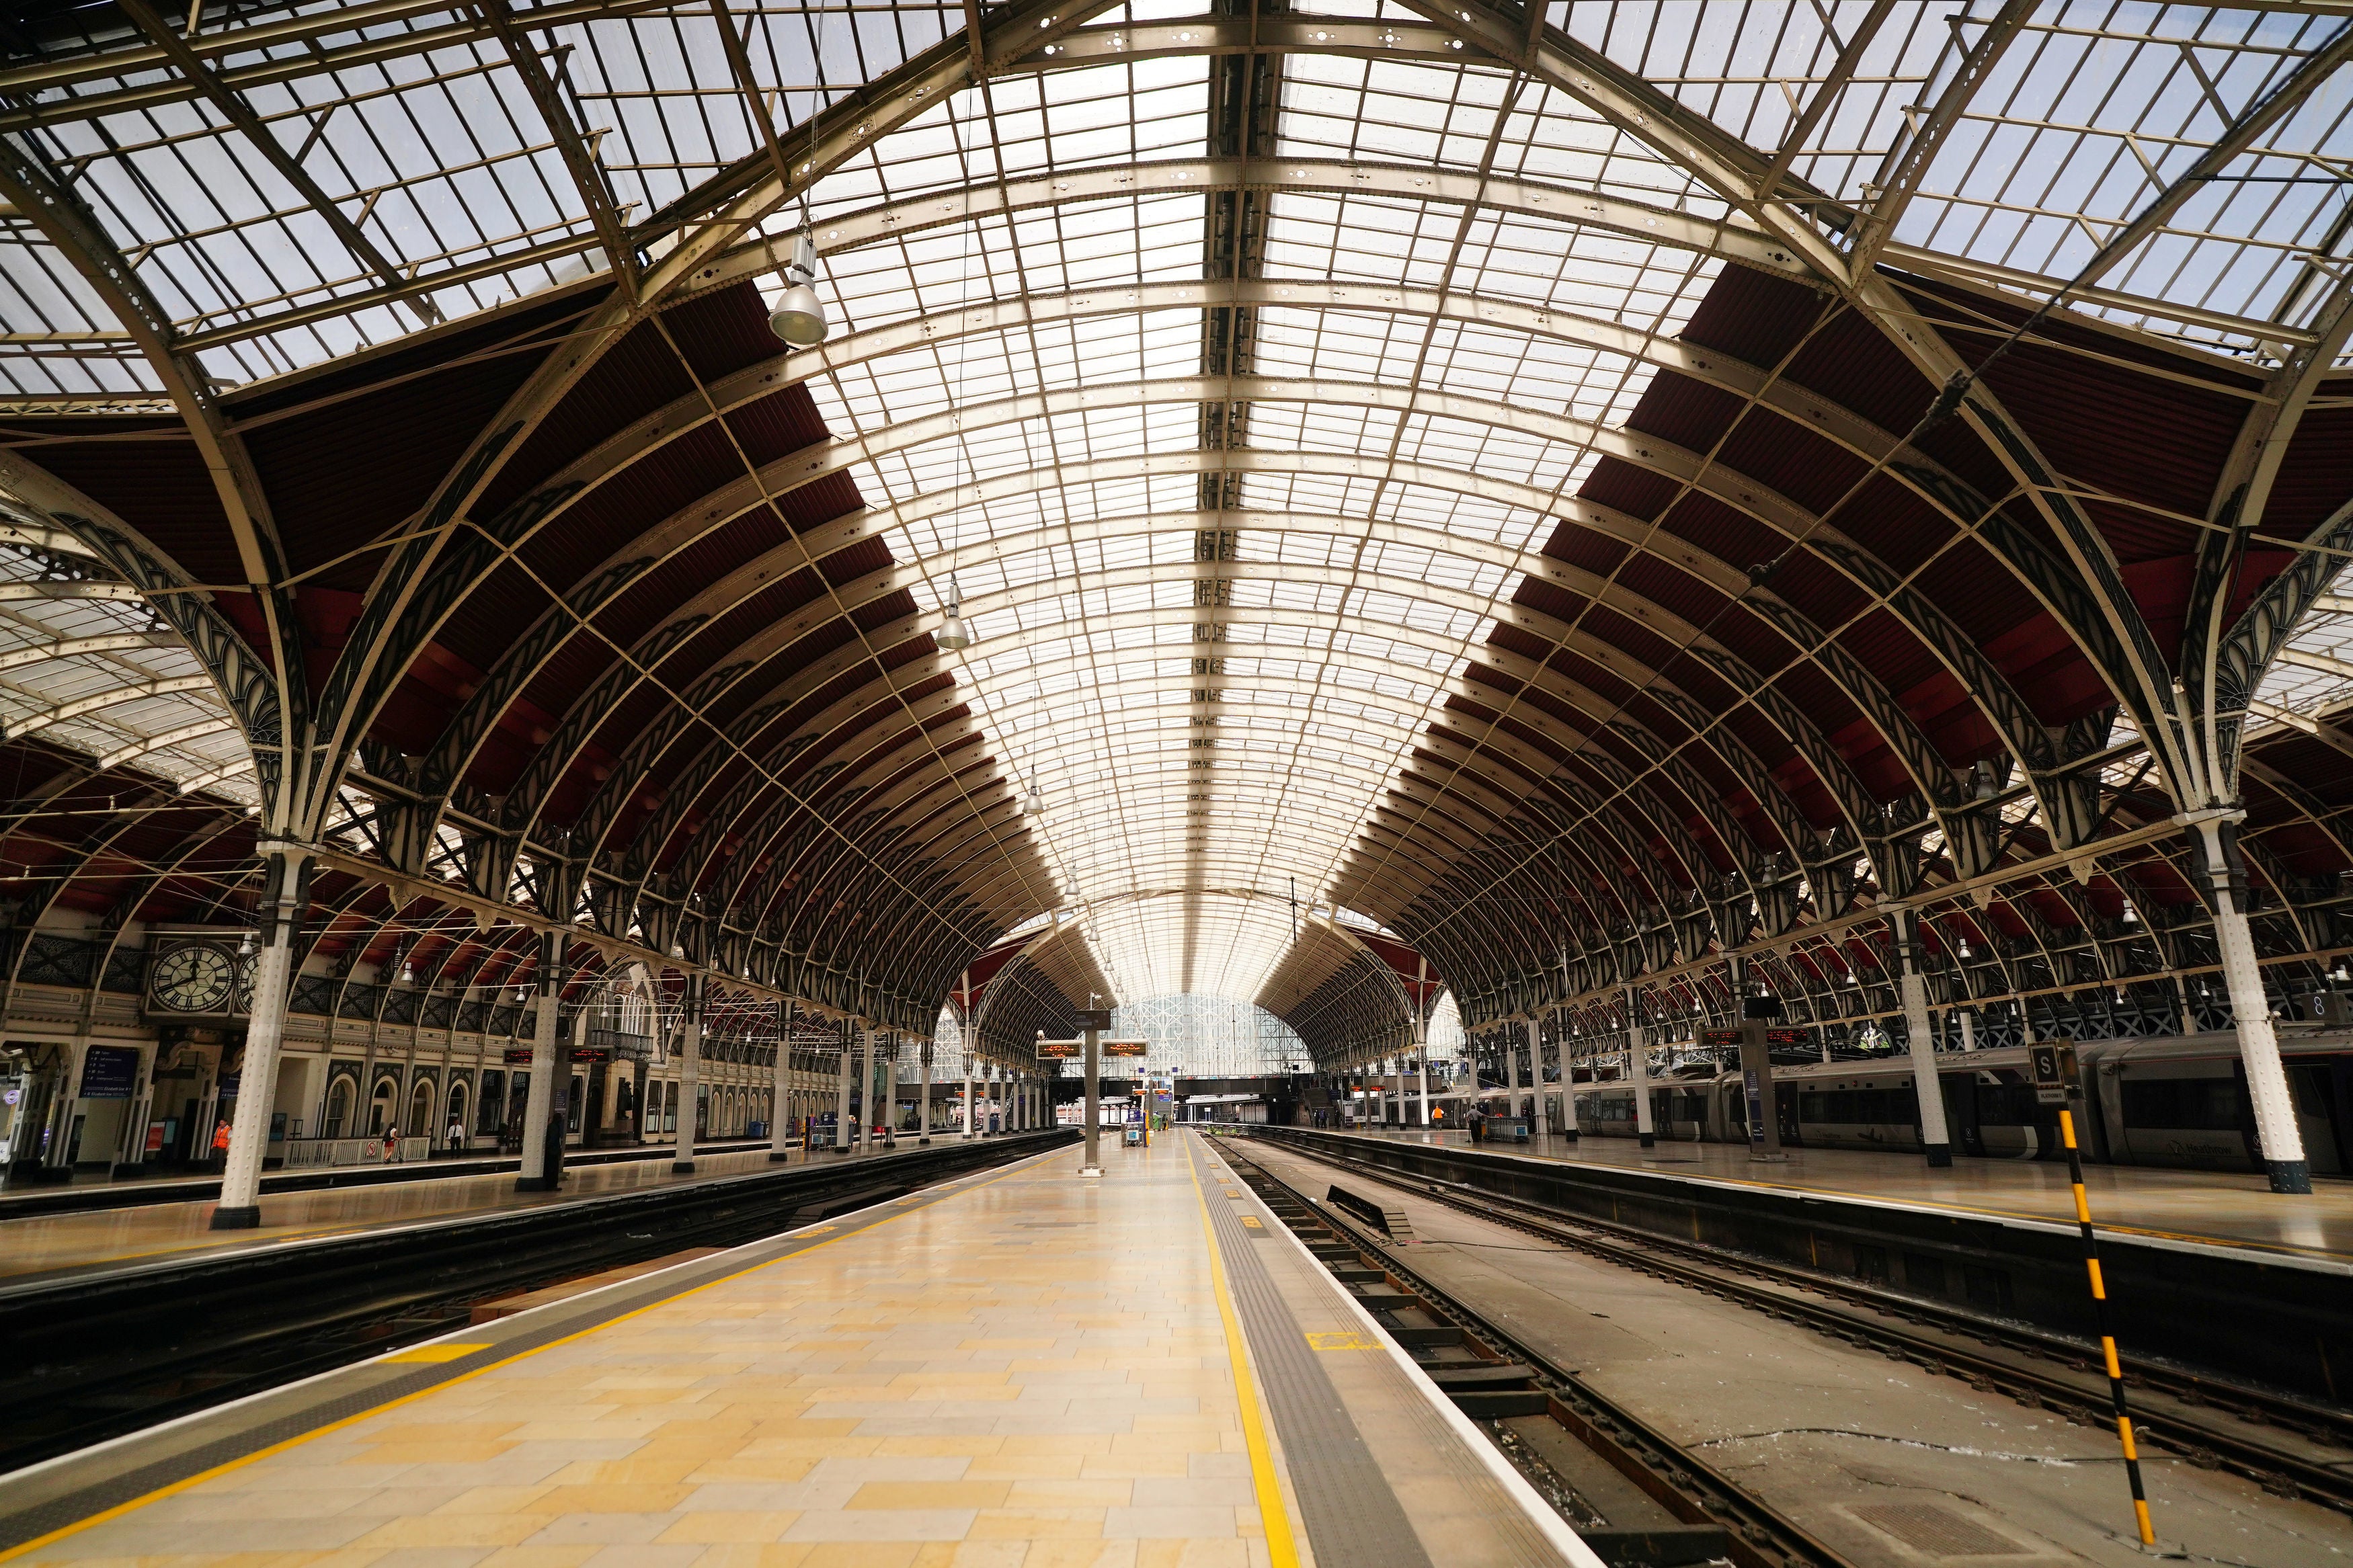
(1937, 1532)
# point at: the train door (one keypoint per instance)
(2340, 1091)
(1959, 1090)
(2315, 1098)
(1785, 1101)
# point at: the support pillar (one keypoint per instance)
(690, 1077)
(548, 980)
(284, 888)
(1093, 1037)
(1968, 1028)
(866, 1095)
(841, 1090)
(780, 1092)
(1933, 1139)
(1760, 1100)
(2250, 1014)
(1536, 1076)
(971, 1104)
(1512, 1070)
(1638, 1057)
(1567, 1084)
(923, 1111)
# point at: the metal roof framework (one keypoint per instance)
(1452, 459)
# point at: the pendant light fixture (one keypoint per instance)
(1034, 803)
(952, 635)
(800, 317)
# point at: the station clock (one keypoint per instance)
(197, 977)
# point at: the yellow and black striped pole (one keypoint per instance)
(2107, 1336)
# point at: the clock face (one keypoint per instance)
(195, 978)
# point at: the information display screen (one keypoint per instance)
(109, 1072)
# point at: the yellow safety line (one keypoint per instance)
(119, 1509)
(1280, 1548)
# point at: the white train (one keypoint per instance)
(2179, 1100)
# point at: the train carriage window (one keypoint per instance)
(2014, 1105)
(1859, 1107)
(2196, 1104)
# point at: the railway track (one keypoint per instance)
(2291, 1448)
(95, 1357)
(1598, 1462)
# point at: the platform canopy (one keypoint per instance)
(1441, 494)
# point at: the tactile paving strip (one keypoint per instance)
(1351, 1513)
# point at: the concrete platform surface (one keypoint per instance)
(20, 1198)
(2221, 1208)
(1024, 1367)
(53, 1244)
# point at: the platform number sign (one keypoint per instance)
(2052, 1065)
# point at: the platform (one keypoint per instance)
(1022, 1367)
(19, 1199)
(50, 1245)
(2214, 1207)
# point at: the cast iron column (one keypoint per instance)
(285, 877)
(689, 1075)
(549, 980)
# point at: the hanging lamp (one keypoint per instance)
(800, 317)
(952, 635)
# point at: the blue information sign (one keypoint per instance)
(109, 1072)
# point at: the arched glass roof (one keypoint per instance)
(1247, 368)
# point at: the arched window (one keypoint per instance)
(456, 1117)
(339, 1107)
(380, 1105)
(420, 1111)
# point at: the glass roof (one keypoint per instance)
(84, 665)
(1216, 598)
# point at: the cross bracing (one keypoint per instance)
(1466, 482)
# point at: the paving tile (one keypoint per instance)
(601, 1529)
(655, 1554)
(1197, 1522)
(908, 1524)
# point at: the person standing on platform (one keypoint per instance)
(456, 1135)
(391, 1144)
